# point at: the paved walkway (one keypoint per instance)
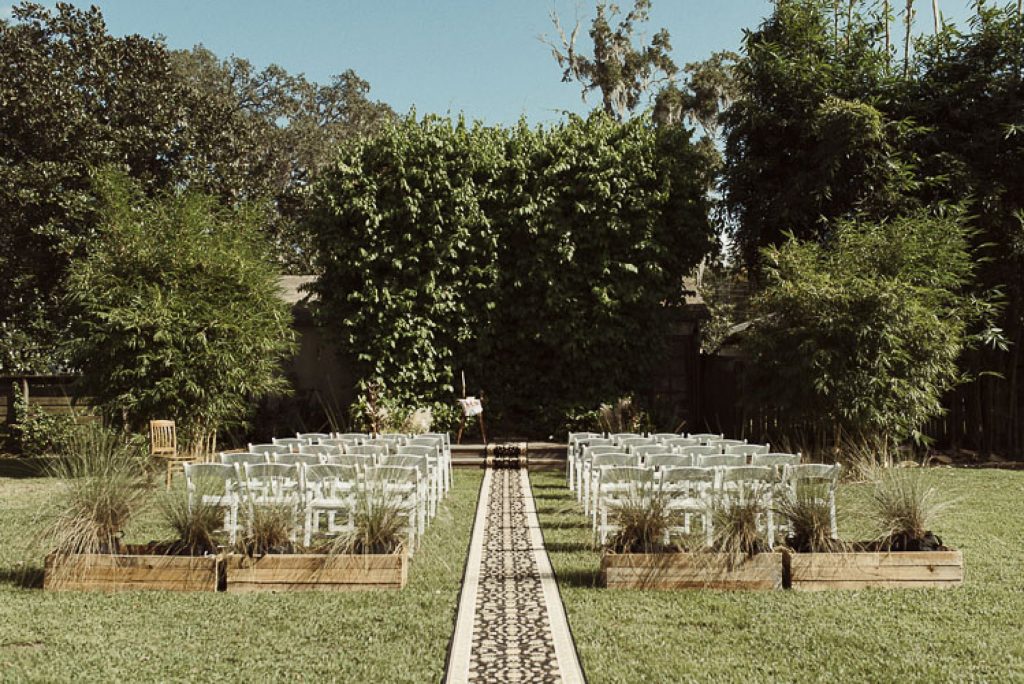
(511, 625)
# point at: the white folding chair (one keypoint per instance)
(214, 484)
(292, 443)
(687, 491)
(577, 452)
(431, 476)
(645, 450)
(706, 437)
(296, 459)
(397, 486)
(269, 450)
(716, 460)
(795, 477)
(680, 444)
(617, 486)
(425, 491)
(312, 437)
(741, 483)
(329, 489)
(321, 450)
(591, 477)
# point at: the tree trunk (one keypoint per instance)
(936, 16)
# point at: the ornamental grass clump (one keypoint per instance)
(642, 521)
(196, 523)
(379, 526)
(268, 528)
(102, 487)
(809, 517)
(905, 509)
(738, 522)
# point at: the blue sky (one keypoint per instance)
(481, 57)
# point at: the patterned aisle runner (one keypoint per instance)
(511, 625)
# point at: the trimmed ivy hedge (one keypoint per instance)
(540, 261)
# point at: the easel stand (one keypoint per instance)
(462, 427)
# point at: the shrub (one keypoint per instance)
(860, 336)
(380, 526)
(736, 521)
(267, 528)
(178, 312)
(810, 519)
(195, 525)
(35, 432)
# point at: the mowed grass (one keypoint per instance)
(397, 636)
(973, 633)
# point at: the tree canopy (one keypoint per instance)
(177, 312)
(74, 98)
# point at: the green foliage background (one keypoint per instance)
(860, 336)
(177, 312)
(540, 261)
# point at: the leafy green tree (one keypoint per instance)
(619, 70)
(405, 245)
(73, 98)
(859, 337)
(965, 90)
(177, 312)
(592, 260)
(543, 262)
(279, 130)
(807, 137)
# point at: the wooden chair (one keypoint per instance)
(163, 443)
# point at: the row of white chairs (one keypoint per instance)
(593, 461)
(692, 491)
(663, 456)
(353, 442)
(662, 442)
(316, 486)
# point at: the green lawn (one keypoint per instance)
(358, 637)
(972, 633)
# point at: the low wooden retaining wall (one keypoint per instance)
(310, 572)
(127, 572)
(691, 571)
(894, 570)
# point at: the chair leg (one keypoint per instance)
(169, 473)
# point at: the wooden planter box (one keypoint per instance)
(316, 572)
(691, 571)
(129, 572)
(862, 570)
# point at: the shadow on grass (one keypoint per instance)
(567, 547)
(23, 578)
(583, 579)
(20, 468)
(567, 525)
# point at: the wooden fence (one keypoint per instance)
(54, 394)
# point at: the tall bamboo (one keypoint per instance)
(937, 16)
(906, 37)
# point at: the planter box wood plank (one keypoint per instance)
(314, 572)
(115, 572)
(762, 571)
(896, 569)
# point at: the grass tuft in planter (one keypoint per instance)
(905, 510)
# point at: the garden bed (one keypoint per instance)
(866, 570)
(131, 572)
(761, 571)
(316, 572)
